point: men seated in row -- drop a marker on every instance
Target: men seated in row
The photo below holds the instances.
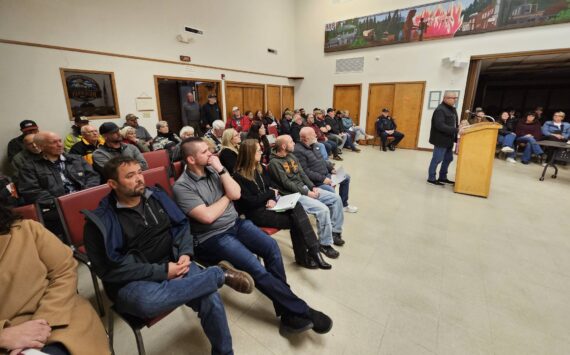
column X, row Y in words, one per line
column 75, row 135
column 357, row 132
column 330, row 146
column 386, row 127
column 257, row 197
column 29, row 152
column 185, row 132
column 114, row 147
column 40, row 308
column 90, row 141
column 140, row 245
column 215, row 133
column 141, row 132
column 237, row 121
column 205, row 192
column 335, row 126
column 288, row 175
column 16, row 145
column 318, row 169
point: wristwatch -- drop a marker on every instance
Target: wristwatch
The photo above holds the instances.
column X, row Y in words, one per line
column 224, row 170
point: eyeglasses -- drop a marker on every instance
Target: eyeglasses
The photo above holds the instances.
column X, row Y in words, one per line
column 451, row 98
column 258, row 152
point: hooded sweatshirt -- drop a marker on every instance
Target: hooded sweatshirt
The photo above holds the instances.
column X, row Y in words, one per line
column 288, row 174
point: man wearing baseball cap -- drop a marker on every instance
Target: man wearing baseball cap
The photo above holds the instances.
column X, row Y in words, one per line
column 114, row 147
column 210, row 112
column 16, row 145
column 141, row 132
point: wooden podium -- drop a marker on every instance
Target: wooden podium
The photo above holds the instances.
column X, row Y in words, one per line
column 475, row 159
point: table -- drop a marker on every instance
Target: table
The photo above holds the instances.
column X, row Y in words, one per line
column 562, row 153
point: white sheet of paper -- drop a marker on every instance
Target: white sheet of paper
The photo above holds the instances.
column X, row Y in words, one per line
column 33, row 352
column 286, row 202
column 339, row 177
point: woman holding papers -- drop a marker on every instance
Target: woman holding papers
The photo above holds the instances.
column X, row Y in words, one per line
column 257, row 198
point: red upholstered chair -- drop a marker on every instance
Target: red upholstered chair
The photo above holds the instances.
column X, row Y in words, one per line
column 272, row 130
column 158, row 177
column 157, row 158
column 69, row 208
column 269, row 230
column 178, row 169
column 31, row 211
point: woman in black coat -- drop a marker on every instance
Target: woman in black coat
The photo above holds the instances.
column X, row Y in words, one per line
column 257, row 131
column 257, row 197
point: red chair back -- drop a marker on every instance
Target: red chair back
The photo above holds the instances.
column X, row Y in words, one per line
column 158, row 176
column 157, row 158
column 177, row 165
column 272, row 130
column 69, row 208
column 30, row 211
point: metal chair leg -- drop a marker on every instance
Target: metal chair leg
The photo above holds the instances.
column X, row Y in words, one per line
column 98, row 297
column 110, row 330
column 140, row 344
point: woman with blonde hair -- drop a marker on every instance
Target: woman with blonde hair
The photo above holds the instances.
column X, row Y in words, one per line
column 229, row 153
column 257, row 197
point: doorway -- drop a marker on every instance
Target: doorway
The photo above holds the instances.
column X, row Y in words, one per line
column 404, row 100
column 246, row 96
column 347, row 97
column 171, row 94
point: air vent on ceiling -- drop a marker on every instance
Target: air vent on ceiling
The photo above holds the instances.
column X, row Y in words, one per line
column 350, row 65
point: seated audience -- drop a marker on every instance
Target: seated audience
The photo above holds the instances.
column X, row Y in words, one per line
column 257, row 132
column 185, row 132
column 478, row 117
column 303, row 113
column 114, row 147
column 75, row 135
column 16, row 145
column 335, row 122
column 319, row 170
column 556, row 131
column 287, row 174
column 90, row 141
column 348, row 124
column 296, row 126
column 285, row 124
column 258, row 116
column 40, row 307
column 229, row 152
column 141, row 132
column 215, row 134
column 30, row 151
column 129, row 135
column 528, row 132
column 257, row 196
column 206, row 192
column 506, row 137
column 164, row 138
column 238, row 122
column 210, row 112
column 539, row 114
column 386, row 127
column 326, row 130
column 329, row 147
column 140, row 245
column 269, row 120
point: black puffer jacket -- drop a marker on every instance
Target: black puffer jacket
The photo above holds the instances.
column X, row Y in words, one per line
column 444, row 126
column 39, row 179
column 508, row 126
column 315, row 167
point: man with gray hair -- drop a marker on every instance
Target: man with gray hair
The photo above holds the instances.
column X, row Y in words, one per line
column 90, row 141
column 191, row 113
column 214, row 134
column 30, row 151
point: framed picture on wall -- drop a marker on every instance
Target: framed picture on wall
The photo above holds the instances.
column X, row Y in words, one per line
column 434, row 99
column 90, row 93
column 456, row 93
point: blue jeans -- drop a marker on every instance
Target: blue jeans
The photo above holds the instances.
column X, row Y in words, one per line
column 238, row 246
column 327, row 209
column 443, row 155
column 331, row 147
column 531, row 147
column 197, row 289
column 507, row 141
column 343, row 189
column 323, row 150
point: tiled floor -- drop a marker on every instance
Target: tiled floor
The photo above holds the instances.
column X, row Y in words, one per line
column 424, row 271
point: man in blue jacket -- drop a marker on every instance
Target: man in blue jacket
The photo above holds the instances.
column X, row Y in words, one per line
column 140, row 245
column 555, row 130
column 386, row 127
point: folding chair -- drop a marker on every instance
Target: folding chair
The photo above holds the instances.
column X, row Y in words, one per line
column 69, row 209
column 158, row 177
column 31, row 211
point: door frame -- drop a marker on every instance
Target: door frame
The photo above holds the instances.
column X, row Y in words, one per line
column 157, row 77
column 370, row 85
column 359, row 101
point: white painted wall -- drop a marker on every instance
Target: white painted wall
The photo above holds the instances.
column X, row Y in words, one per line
column 237, row 34
column 402, row 62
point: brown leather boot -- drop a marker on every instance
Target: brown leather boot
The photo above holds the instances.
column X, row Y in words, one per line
column 239, row 280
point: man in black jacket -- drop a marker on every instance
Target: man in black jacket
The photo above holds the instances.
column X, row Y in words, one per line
column 140, row 245
column 16, row 145
column 318, row 169
column 386, row 127
column 210, row 112
column 337, row 128
column 443, row 134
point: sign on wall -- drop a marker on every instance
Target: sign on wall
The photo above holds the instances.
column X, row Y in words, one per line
column 443, row 19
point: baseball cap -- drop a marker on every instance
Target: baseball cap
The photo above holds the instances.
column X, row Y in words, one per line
column 108, row 127
column 131, row 116
column 385, row 110
column 81, row 119
column 28, row 125
column 212, row 96
column 235, row 108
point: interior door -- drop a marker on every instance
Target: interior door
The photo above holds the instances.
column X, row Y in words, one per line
column 379, row 96
column 288, row 99
column 407, row 111
column 234, row 97
column 347, row 97
column 274, row 99
column 253, row 99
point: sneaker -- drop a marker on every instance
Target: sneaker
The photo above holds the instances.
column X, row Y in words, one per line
column 329, row 251
column 507, row 149
column 435, row 182
column 356, row 150
column 337, row 239
column 292, row 323
column 321, row 322
column 446, row 181
column 336, row 157
column 239, row 280
column 392, row 147
column 511, row 160
column 350, row 209
column 369, row 136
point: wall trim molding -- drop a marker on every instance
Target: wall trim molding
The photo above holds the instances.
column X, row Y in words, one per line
column 148, row 59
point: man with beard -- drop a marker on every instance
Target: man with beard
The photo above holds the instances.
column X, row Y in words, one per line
column 113, row 147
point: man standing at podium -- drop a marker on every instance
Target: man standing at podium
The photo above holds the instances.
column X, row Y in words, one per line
column 443, row 134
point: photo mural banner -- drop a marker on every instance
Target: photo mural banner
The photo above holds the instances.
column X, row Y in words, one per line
column 444, row 19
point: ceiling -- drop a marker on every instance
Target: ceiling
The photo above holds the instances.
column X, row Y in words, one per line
column 547, row 65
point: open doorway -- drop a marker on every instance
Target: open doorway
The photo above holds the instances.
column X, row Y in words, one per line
column 521, row 82
column 171, row 95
